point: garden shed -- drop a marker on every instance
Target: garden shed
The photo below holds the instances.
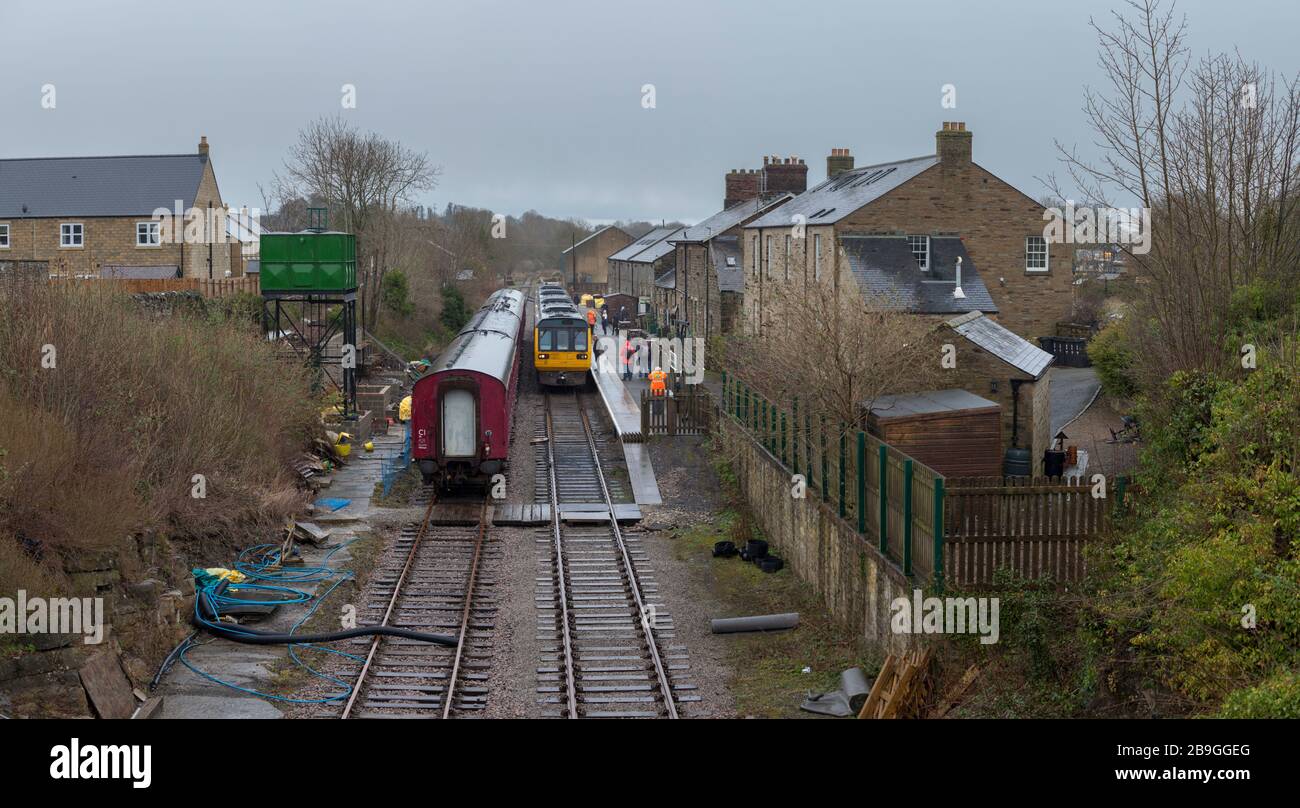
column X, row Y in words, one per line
column 954, row 432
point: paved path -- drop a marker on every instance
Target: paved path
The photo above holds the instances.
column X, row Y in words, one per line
column 625, row 412
column 1073, row 389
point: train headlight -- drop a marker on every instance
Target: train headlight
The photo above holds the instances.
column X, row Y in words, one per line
column 541, row 356
column 582, row 356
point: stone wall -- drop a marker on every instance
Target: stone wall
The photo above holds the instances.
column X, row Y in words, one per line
column 854, row 580
column 148, row 597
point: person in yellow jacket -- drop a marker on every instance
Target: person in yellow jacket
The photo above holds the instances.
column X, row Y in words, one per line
column 404, row 410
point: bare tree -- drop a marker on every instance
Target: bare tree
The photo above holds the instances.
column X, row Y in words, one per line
column 838, row 351
column 368, row 183
column 1211, row 150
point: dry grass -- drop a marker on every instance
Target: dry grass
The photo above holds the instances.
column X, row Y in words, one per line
column 108, row 440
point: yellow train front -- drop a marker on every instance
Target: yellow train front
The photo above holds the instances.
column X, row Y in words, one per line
column 562, row 343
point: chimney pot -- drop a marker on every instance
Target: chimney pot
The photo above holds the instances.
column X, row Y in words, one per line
column 953, row 144
column 203, row 144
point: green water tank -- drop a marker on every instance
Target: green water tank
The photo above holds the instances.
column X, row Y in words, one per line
column 309, row 261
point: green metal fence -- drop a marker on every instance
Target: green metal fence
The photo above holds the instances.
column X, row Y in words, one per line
column 893, row 500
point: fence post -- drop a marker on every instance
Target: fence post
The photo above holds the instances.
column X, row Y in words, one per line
column 907, row 516
column 884, row 499
column 826, row 488
column 938, row 534
column 645, row 416
column 783, row 455
column 862, row 482
column 794, row 435
column 844, row 440
column 725, row 408
column 808, row 443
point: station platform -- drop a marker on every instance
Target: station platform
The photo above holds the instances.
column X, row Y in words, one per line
column 625, row 413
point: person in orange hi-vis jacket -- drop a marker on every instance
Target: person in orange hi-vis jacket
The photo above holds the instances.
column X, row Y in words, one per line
column 658, row 382
column 591, row 318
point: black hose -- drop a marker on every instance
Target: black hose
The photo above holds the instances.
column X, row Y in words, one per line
column 212, row 622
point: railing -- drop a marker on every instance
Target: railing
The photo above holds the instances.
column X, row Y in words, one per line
column 1070, row 352
column 953, row 531
column 895, row 501
column 397, row 464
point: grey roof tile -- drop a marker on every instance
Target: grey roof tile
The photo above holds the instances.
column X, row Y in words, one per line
column 657, row 250
column 725, row 219
column 98, row 186
column 844, row 193
column 1003, row 343
column 653, row 237
column 571, row 247
column 928, row 403
column 726, row 262
column 885, row 269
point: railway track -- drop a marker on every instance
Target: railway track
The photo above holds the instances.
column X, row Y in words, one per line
column 438, row 579
column 603, row 633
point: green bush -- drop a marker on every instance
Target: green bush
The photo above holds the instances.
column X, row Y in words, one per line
column 455, row 313
column 1113, row 357
column 396, row 293
column 1277, row 697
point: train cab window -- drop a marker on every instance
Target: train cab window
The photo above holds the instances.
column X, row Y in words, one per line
column 546, row 340
column 580, row 339
column 562, row 339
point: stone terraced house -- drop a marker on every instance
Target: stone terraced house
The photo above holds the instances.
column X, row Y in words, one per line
column 94, row 216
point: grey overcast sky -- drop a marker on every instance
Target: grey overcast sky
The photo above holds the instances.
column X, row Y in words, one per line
column 537, row 105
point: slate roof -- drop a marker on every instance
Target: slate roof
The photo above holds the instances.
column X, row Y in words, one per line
column 725, row 219
column 885, row 268
column 657, row 250
column 98, row 186
column 653, row 237
column 731, row 276
column 1006, row 345
column 572, row 247
column 844, row 193
column 668, row 280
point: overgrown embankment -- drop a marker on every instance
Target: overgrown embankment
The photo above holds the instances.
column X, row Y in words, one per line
column 122, row 422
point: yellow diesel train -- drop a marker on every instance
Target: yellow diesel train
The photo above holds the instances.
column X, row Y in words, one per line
column 562, row 339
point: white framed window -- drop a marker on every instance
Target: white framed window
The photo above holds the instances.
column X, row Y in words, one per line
column 148, row 234
column 787, row 258
column 817, row 256
column 4, row 236
column 72, row 234
column 920, row 246
column 1035, row 254
column 754, row 262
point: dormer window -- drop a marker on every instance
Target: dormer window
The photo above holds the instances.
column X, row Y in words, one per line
column 920, row 246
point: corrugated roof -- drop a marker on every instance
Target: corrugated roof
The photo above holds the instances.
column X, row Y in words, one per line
column 1003, row 343
column 657, row 250
column 844, row 193
column 98, row 186
column 653, row 237
column 885, row 268
column 725, row 219
column 727, row 263
column 929, row 403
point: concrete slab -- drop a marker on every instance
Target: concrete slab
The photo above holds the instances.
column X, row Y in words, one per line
column 625, row 413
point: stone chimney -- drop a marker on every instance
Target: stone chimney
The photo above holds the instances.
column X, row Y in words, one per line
column 839, row 161
column 785, row 175
column 953, row 144
column 203, row 144
column 742, row 185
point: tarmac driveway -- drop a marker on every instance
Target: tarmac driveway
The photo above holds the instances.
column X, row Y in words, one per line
column 1073, row 389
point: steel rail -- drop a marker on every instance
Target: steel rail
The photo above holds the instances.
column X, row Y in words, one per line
column 392, row 604
column 570, row 686
column 449, row 697
column 665, row 687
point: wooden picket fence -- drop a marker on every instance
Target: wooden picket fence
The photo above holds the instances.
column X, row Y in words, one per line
column 1037, row 527
column 954, row 531
column 687, row 413
column 214, row 288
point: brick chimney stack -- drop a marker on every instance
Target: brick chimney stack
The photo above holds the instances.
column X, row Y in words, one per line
column 785, row 175
column 203, row 144
column 953, row 144
column 742, row 185
column 839, row 161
